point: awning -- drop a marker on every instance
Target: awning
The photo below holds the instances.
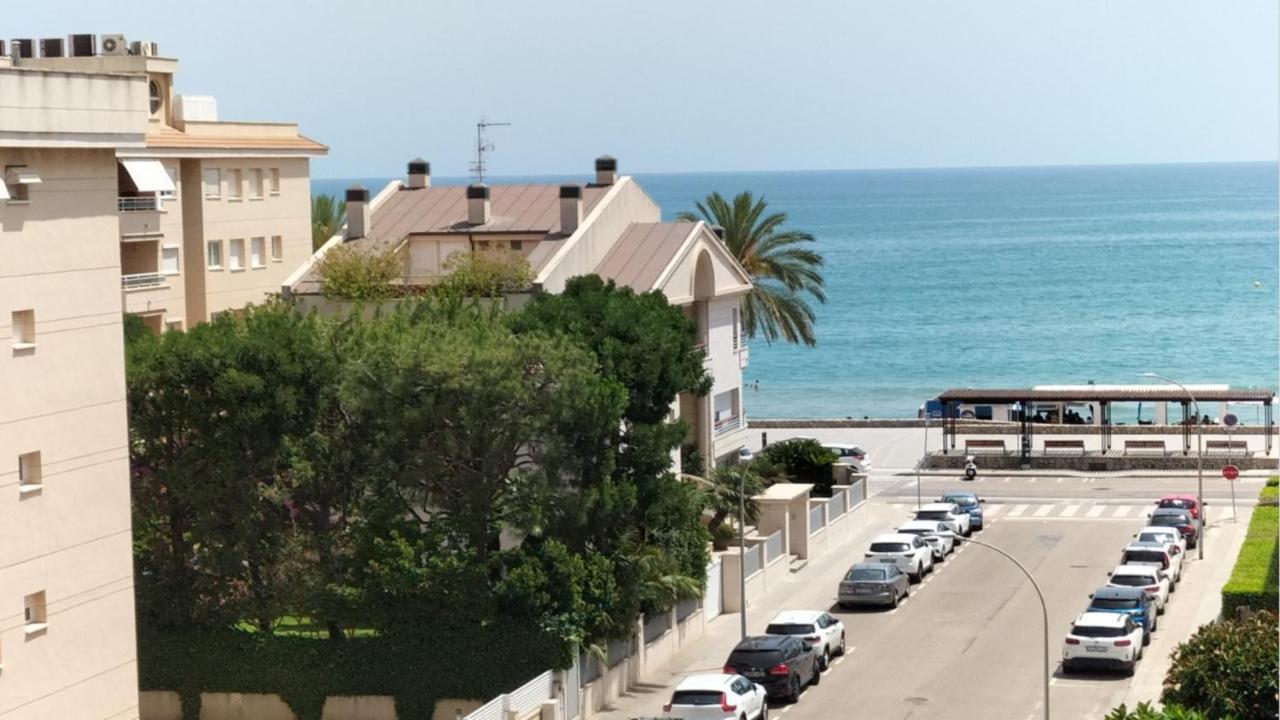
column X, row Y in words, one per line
column 148, row 175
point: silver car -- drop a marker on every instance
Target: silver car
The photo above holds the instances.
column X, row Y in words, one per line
column 873, row 584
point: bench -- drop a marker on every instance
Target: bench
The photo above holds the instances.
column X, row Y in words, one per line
column 1068, row 445
column 1144, row 446
column 1226, row 446
column 984, row 446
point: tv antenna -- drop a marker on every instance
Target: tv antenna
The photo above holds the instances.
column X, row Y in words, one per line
column 483, row 146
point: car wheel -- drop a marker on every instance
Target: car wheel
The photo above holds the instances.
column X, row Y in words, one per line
column 1140, row 653
column 1160, row 609
column 1066, row 668
column 1129, row 668
column 824, row 660
column 1155, row 623
column 794, row 696
column 1146, row 637
column 817, row 674
column 764, row 709
column 840, row 650
column 894, row 602
column 916, row 576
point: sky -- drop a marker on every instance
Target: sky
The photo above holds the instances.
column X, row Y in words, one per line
column 723, row 85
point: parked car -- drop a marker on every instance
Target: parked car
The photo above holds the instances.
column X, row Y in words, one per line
column 1167, row 535
column 1129, row 600
column 717, row 697
column 873, row 584
column 1181, row 501
column 1180, row 519
column 1102, row 640
column 852, row 454
column 1155, row 554
column 968, row 502
column 910, row 553
column 819, row 630
column 1153, row 580
column 947, row 512
column 783, row 664
column 938, row 534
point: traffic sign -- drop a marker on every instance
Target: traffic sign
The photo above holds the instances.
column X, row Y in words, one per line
column 1230, row 420
column 1231, row 472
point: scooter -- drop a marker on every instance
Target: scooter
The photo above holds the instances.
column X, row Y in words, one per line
column 970, row 468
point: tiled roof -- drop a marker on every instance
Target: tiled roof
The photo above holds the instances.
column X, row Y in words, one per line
column 644, row 250
column 531, row 209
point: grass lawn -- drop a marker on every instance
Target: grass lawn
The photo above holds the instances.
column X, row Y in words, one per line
column 302, row 626
column 1255, row 580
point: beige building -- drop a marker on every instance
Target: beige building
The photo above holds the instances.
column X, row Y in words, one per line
column 213, row 215
column 67, row 642
column 609, row 227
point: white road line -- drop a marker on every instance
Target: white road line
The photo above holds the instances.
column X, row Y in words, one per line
column 1059, row 479
column 1017, row 510
column 786, row 710
column 1069, row 510
column 1007, row 479
column 1031, row 480
column 993, row 511
column 1095, row 511
column 1122, row 511
column 1043, row 510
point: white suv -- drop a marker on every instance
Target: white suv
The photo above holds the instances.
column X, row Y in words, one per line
column 1169, row 536
column 1151, row 579
column 949, row 513
column 910, row 553
column 717, row 697
column 1156, row 554
column 938, row 534
column 1103, row 639
column 818, row 629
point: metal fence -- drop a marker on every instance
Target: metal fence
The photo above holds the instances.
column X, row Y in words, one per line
column 817, row 519
column 751, row 561
column 619, row 650
column 491, row 710
column 857, row 492
column 655, row 626
column 836, row 506
column 774, row 546
column 590, row 666
column 521, row 701
column 687, row 607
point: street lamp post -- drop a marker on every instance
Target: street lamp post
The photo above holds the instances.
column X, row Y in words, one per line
column 742, row 551
column 924, row 457
column 1044, row 611
column 1199, row 460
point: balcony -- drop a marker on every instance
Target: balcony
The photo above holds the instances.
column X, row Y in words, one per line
column 139, row 203
column 141, row 281
column 140, row 217
column 724, row 426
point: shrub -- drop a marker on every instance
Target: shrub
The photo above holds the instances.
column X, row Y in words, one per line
column 805, row 461
column 486, row 273
column 1254, row 580
column 353, row 273
column 722, row 535
column 1227, row 669
column 1144, row 711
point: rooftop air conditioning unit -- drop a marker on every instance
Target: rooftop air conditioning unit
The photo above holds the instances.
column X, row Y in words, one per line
column 144, row 48
column 51, row 47
column 114, row 45
column 196, row 108
column 83, row 45
column 23, row 48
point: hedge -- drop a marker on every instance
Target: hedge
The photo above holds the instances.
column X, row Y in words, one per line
column 465, row 662
column 1255, row 580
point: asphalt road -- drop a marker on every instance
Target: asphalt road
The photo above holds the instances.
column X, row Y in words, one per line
column 968, row 643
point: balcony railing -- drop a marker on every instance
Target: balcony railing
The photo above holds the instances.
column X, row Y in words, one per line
column 138, row 281
column 728, row 425
column 139, row 203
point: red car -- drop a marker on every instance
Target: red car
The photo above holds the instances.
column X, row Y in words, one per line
column 1181, row 501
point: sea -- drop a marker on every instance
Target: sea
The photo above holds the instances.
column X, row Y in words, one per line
column 1009, row 277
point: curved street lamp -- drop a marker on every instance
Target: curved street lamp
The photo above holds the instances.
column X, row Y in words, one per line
column 1199, row 460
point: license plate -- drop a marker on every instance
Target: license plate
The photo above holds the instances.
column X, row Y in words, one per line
column 891, row 561
column 863, row 590
column 753, row 673
column 1096, row 648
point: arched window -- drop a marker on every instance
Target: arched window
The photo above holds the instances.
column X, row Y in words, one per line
column 155, row 97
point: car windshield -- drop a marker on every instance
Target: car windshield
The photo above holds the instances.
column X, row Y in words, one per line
column 912, row 531
column 1161, row 538
column 788, row 629
column 866, row 575
column 1138, row 557
column 933, row 515
column 1169, row 520
column 696, row 697
column 1114, row 604
column 755, row 658
column 1175, row 503
column 889, row 547
column 963, row 501
column 1132, row 580
column 1092, row 631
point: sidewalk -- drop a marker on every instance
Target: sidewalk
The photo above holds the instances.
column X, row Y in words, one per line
column 814, row 587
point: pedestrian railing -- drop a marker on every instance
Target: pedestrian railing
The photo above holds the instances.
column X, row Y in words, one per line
column 687, row 607
column 751, row 561
column 655, row 626
column 774, row 546
column 817, row 518
column 837, row 505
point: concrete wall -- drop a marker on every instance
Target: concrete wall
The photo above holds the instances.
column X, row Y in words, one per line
column 40, row 108
column 64, row 398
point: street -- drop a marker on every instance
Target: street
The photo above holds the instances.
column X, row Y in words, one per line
column 968, row 642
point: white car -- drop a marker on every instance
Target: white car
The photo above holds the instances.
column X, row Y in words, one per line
column 818, row 629
column 717, row 697
column 938, row 534
column 1151, row 579
column 1155, row 554
column 1160, row 533
column 910, row 553
column 852, row 454
column 949, row 513
column 1102, row 639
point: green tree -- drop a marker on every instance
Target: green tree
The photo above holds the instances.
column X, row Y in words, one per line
column 485, row 273
column 350, row 272
column 805, row 460
column 727, row 483
column 785, row 271
column 1227, row 669
column 328, row 215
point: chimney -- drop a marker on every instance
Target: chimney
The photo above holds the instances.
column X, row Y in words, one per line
column 606, row 170
column 357, row 212
column 570, row 208
column 419, row 174
column 718, row 230
column 477, row 204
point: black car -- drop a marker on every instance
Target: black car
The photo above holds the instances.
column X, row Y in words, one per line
column 1180, row 519
column 1131, row 601
column 782, row 664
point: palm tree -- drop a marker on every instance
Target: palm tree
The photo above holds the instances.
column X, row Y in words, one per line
column 783, row 269
column 328, row 214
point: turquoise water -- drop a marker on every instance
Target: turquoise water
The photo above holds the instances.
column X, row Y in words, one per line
column 1010, row 277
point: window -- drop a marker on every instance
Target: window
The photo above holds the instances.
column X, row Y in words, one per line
column 24, row 329
column 170, row 263
column 277, row 248
column 215, row 254
column 173, row 324
column 173, row 178
column 235, row 256
column 154, row 91
column 735, row 329
column 255, row 184
column 275, row 181
column 34, row 613
column 257, row 252
column 29, row 476
column 235, row 189
column 212, row 184
column 517, row 245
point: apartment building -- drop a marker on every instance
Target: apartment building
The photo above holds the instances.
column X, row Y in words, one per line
column 609, row 227
column 67, row 641
column 212, row 215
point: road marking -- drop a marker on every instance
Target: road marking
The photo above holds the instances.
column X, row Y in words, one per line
column 1069, row 510
column 786, row 710
column 1122, row 511
column 1031, row 480
column 1095, row 511
column 993, row 511
column 1059, row 479
column 1043, row 510
column 1017, row 510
